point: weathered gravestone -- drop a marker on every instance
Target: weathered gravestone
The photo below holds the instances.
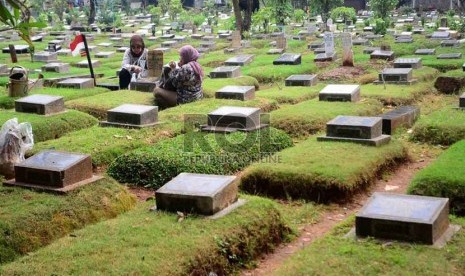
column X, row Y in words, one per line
column 316, row 45
column 380, row 54
column 425, row 52
column 208, row 44
column 301, row 80
column 239, row 60
column 396, row 76
column 54, row 171
column 40, row 104
column 340, row 93
column 169, row 43
column 132, row 116
column 198, row 193
column 414, row 63
column 45, row 56
column 359, row 41
column 403, row 116
column 197, row 36
column 154, row 63
column 440, row 35
column 121, row 49
column 319, row 51
column 77, row 83
column 369, row 50
column 19, row 49
column 104, row 54
column 450, row 56
column 288, row 59
column 462, row 101
column 236, row 92
column 403, row 217
column 450, row 43
column 361, row 130
column 226, row 72
column 85, row 64
column 3, row 69
column 347, row 53
column 144, row 85
column 233, row 118
column 329, row 43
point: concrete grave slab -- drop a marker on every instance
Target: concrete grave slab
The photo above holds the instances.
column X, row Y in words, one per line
column 121, row 49
column 233, row 118
column 369, row 50
column 167, row 36
column 239, row 60
column 450, row 43
column 132, row 116
column 85, row 64
column 379, row 54
column 198, row 193
column 40, row 104
column 315, row 45
column 301, row 80
column 19, row 49
column 144, row 85
column 360, row 41
column 77, row 83
column 425, row 52
column 288, row 59
column 396, row 76
column 105, row 44
column 169, row 43
column 340, row 93
column 324, row 57
column 403, row 116
column 236, row 92
column 208, row 44
column 414, row 63
column 440, row 35
column 104, row 54
column 450, row 56
column 58, row 67
column 275, row 51
column 45, row 56
column 226, row 72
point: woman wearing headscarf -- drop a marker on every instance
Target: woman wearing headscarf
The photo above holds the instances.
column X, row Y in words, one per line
column 134, row 62
column 186, row 78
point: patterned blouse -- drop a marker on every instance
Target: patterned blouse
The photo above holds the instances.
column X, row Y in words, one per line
column 188, row 84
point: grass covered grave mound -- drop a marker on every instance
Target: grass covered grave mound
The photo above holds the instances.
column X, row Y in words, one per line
column 197, row 152
column 107, row 143
column 444, row 126
column 30, row 220
column 145, row 243
column 51, row 127
column 444, row 178
column 290, row 94
column 311, row 116
column 68, row 94
column 98, row 105
column 397, row 94
column 336, row 254
column 321, row 171
column 210, row 86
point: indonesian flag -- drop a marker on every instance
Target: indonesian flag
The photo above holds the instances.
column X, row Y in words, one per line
column 77, row 45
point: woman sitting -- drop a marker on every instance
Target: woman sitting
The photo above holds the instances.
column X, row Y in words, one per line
column 184, row 81
column 134, row 62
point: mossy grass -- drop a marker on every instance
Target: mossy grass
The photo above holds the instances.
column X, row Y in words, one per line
column 444, row 178
column 337, row 255
column 290, row 94
column 321, row 171
column 196, row 152
column 454, row 74
column 397, row 94
column 98, row 105
column 210, row 86
column 7, row 102
column 52, row 126
column 444, row 126
column 158, row 243
column 311, row 116
column 30, row 220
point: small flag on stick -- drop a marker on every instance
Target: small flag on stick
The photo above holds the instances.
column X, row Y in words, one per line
column 77, row 45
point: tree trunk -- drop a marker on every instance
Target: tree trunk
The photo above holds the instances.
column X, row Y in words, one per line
column 92, row 12
column 248, row 16
column 238, row 15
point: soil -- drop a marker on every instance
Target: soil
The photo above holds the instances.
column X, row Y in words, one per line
column 142, row 194
column 342, row 73
column 397, row 183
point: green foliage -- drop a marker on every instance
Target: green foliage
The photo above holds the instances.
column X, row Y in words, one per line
column 381, row 26
column 262, row 18
column 282, row 9
column 345, row 13
column 408, row 27
column 382, row 8
column 198, row 19
column 175, row 8
column 324, row 7
column 321, row 171
column 299, row 15
column 197, row 152
column 30, row 220
column 164, row 5
column 156, row 14
column 444, row 178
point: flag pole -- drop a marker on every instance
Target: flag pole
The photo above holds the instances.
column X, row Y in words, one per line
column 88, row 59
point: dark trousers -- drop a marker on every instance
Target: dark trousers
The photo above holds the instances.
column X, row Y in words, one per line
column 124, row 78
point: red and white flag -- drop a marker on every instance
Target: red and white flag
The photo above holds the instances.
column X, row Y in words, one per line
column 77, row 45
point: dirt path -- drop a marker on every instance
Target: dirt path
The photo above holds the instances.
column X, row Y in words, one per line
column 397, row 183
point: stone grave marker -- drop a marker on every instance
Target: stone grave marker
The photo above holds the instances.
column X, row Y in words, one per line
column 380, row 54
column 347, row 53
column 281, row 42
column 45, row 56
column 40, row 104
column 37, row 38
column 144, row 85
column 163, row 49
column 319, row 51
column 54, row 171
column 324, row 57
column 132, row 116
column 404, row 39
column 233, row 118
column 373, row 36
column 179, row 38
column 197, row 36
column 425, row 52
column 414, row 63
column 4, row 69
column 361, row 130
column 104, row 54
column 450, row 43
column 340, row 93
column 418, row 30
column 440, row 35
column 275, row 51
column 85, row 64
column 236, row 40
column 208, row 38
column 403, row 116
column 58, row 67
column 288, row 59
column 19, row 49
column 239, row 60
column 315, row 45
column 369, row 50
column 226, row 72
column 396, row 76
column 155, row 63
column 236, row 92
column 462, row 101
column 329, row 43
column 77, row 83
column 359, row 41
column 450, row 56
column 403, row 217
column 199, row 193
column 167, row 36
column 301, row 80
column 208, row 44
column 169, row 43
column 121, row 49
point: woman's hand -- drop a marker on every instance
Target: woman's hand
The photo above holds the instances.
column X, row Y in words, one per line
column 172, row 64
column 136, row 69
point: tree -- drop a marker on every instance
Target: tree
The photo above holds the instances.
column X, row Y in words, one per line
column 262, row 18
column 91, row 19
column 59, row 7
column 325, row 6
column 175, row 8
column 381, row 8
column 282, row 9
column 237, row 15
column 164, row 6
column 343, row 12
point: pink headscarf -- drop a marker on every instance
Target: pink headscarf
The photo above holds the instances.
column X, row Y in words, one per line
column 189, row 55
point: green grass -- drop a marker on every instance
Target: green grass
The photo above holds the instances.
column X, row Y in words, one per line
column 7, row 102
column 444, row 126
column 397, row 94
column 30, row 220
column 444, row 178
column 290, row 94
column 210, row 86
column 142, row 243
column 53, row 126
column 321, row 171
column 311, row 116
column 336, row 255
column 196, row 152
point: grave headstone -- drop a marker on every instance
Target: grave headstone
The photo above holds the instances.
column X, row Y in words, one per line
column 450, row 43
column 414, row 63
column 347, row 53
column 236, row 92
column 40, row 104
column 359, row 41
column 362, row 130
column 403, row 217
column 323, row 57
column 77, row 83
column 403, row 116
column 199, row 193
column 425, row 52
column 281, row 42
column 155, row 63
column 45, row 56
column 54, row 171
column 462, row 101
column 380, row 54
column 132, row 116
column 19, row 49
column 396, row 76
column 144, row 85
column 301, row 80
column 226, row 72
column 236, row 40
column 288, row 59
column 329, row 43
column 58, row 67
column 233, row 118
column 369, row 50
column 440, row 35
column 340, row 93
column 239, row 60
column 85, row 64
column 450, row 56
column 104, row 54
